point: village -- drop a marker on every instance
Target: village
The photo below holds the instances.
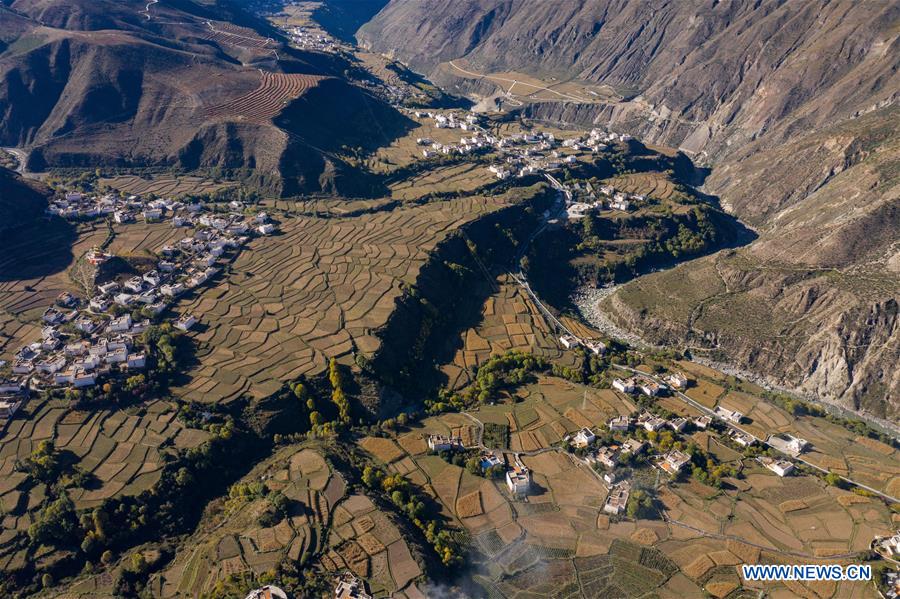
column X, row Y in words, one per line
column 520, row 154
column 612, row 446
column 86, row 339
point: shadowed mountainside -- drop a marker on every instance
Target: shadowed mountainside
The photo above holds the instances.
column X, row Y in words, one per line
column 87, row 83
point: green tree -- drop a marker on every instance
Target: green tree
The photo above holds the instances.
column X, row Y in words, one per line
column 56, row 523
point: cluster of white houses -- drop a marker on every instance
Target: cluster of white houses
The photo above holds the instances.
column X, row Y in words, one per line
column 521, row 154
column 605, row 197
column 643, row 385
column 77, row 205
column 82, row 341
column 307, row 38
column 595, row 346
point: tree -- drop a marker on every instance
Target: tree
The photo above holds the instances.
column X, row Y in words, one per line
column 496, row 471
column 44, row 463
column 835, row 481
column 55, row 524
column 473, row 466
column 138, row 563
column 640, row 505
column 300, row 392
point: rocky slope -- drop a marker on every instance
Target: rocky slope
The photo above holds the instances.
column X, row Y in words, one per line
column 813, row 303
column 792, row 104
column 87, row 83
column 705, row 76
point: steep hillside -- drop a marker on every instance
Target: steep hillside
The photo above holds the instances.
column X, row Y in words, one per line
column 792, row 104
column 812, row 304
column 705, row 76
column 94, row 83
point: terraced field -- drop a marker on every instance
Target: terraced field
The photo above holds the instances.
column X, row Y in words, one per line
column 275, row 90
column 654, row 185
column 124, row 451
column 365, row 541
column 464, row 178
column 322, row 288
column 509, row 321
column 235, row 542
column 165, row 186
column 33, row 272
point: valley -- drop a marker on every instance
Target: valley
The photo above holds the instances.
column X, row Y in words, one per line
column 499, row 329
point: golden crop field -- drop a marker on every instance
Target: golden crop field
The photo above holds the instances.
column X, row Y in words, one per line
column 509, row 321
column 124, row 451
column 322, row 288
column 164, row 185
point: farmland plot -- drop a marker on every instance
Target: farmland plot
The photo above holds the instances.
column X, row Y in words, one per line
column 275, row 90
column 124, row 451
column 165, row 186
column 509, row 321
column 321, row 289
column 238, row 541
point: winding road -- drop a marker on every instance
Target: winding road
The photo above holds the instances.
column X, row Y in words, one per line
column 522, row 281
column 515, row 82
column 21, row 158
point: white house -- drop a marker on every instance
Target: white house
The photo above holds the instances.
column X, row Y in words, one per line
column 117, row 356
column 597, row 347
column 788, row 443
column 186, row 322
column 617, row 499
column 136, row 361
column 779, row 467
column 568, row 341
column 633, row 446
column 677, row 424
column 151, row 278
column 674, row 461
column 266, row 229
column 86, row 325
column 8, row 407
column 607, row 456
column 730, row 415
column 84, row 379
column 583, row 438
column 742, row 439
column 172, row 290
column 152, row 214
column 677, row 380
column 124, row 299
column 650, row 388
column 625, row 386
column 518, row 480
column 98, row 304
column 650, row 422
column 120, row 324
column 444, row 443
column 620, row 423
column 134, row 284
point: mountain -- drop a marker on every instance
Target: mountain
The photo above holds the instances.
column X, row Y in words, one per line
column 793, row 106
column 88, row 83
